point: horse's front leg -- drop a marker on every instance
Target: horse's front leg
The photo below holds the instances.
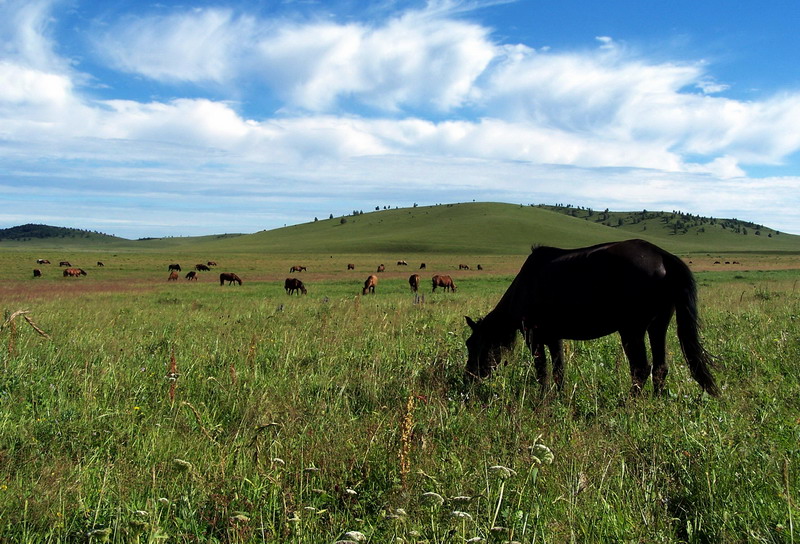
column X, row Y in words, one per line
column 557, row 355
column 539, row 357
column 540, row 361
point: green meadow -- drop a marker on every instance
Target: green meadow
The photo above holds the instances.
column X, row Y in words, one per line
column 133, row 409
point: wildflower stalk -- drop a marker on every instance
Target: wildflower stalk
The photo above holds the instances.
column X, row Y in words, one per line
column 406, row 426
column 172, row 376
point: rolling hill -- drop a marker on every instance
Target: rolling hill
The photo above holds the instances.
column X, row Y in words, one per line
column 469, row 228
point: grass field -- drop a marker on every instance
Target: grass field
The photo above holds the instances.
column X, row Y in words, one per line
column 188, row 412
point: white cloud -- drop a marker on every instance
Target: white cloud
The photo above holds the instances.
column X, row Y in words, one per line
column 198, row 46
column 509, row 121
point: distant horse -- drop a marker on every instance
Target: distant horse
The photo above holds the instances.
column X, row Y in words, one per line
column 351, row 266
column 201, row 267
column 230, row 277
column 381, row 268
column 64, row 263
column 37, row 273
column 100, row 263
column 445, row 282
column 463, row 267
column 191, row 275
column 402, row 263
column 479, row 267
column 369, row 285
column 422, row 266
column 173, row 276
column 297, row 268
column 413, row 281
column 630, row 287
column 293, row 285
column 174, row 267
column 212, row 263
column 42, row 261
column 74, row 272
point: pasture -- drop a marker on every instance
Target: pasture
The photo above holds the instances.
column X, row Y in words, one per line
column 193, row 412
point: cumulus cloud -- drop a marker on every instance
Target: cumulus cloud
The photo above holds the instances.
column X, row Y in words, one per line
column 423, row 91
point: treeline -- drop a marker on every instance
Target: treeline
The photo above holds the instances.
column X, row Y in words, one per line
column 675, row 222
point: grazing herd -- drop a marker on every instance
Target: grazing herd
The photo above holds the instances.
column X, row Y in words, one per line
column 291, row 285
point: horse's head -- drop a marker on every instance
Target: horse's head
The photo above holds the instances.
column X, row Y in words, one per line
column 483, row 350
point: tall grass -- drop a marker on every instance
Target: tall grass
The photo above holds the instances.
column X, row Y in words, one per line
column 195, row 413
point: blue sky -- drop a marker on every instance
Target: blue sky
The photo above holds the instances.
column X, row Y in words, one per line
column 173, row 119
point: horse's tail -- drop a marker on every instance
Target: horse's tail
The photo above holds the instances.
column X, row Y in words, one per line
column 688, row 321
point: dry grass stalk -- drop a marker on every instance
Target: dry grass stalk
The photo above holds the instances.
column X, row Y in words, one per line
column 200, row 422
column 406, row 428
column 11, row 323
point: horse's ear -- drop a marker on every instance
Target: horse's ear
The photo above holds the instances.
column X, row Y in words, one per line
column 470, row 322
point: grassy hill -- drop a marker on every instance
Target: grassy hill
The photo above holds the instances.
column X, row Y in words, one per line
column 467, row 228
column 495, row 228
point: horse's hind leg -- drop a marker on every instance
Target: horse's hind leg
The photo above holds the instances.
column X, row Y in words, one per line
column 658, row 346
column 633, row 344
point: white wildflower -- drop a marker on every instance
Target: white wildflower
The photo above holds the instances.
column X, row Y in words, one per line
column 503, row 472
column 432, row 498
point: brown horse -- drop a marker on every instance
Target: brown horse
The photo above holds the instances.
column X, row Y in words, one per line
column 100, row 263
column 64, row 263
column 230, row 277
column 297, row 268
column 422, row 266
column 191, row 275
column 369, row 285
column 445, row 282
column 293, row 285
column 381, row 268
column 413, row 281
column 42, row 261
column 351, row 266
column 212, row 263
column 200, row 267
column 631, row 287
column 74, row 272
column 37, row 273
column 173, row 276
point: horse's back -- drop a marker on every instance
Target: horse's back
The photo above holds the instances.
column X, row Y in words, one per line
column 625, row 283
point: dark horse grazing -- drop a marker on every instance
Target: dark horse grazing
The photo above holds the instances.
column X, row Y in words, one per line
column 413, row 281
column 230, row 277
column 630, row 287
column 294, row 285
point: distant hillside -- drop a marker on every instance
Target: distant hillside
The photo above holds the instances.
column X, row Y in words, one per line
column 480, row 228
column 467, row 228
column 33, row 232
